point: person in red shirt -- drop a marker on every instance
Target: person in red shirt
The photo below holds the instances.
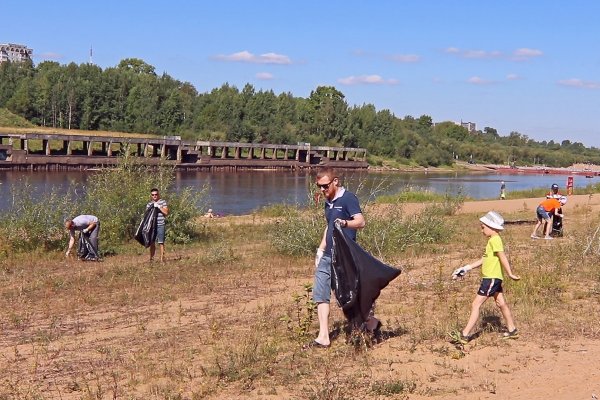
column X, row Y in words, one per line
column 545, row 210
column 554, row 193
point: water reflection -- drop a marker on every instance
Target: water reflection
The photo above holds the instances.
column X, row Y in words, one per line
column 242, row 192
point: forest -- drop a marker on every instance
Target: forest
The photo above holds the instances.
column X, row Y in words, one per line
column 132, row 97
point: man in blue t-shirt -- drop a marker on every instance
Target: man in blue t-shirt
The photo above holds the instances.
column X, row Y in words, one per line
column 342, row 206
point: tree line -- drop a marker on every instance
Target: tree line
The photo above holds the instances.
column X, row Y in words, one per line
column 132, row 97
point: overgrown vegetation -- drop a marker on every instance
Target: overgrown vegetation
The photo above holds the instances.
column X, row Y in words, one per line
column 388, row 231
column 117, row 196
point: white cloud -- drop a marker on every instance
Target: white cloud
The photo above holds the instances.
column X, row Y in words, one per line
column 481, row 54
column 405, row 58
column 512, row 77
column 478, row 54
column 476, row 80
column 264, row 76
column 367, row 80
column 246, row 56
column 517, row 55
column 580, row 83
column 525, row 53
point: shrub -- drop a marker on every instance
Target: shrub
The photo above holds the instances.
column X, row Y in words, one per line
column 117, row 196
column 32, row 223
column 394, row 232
column 298, row 231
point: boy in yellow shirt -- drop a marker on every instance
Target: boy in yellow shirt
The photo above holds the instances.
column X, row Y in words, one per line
column 491, row 265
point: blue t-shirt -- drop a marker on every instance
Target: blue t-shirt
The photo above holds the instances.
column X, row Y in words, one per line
column 345, row 206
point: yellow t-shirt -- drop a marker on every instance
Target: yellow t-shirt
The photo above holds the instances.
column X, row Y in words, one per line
column 491, row 267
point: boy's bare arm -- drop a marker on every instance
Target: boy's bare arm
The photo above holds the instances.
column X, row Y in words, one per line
column 506, row 265
column 475, row 264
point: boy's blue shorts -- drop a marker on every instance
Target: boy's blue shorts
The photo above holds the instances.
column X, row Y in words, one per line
column 489, row 287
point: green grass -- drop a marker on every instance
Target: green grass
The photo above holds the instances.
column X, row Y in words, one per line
column 9, row 119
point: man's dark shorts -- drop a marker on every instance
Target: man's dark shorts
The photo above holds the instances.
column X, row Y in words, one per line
column 489, row 287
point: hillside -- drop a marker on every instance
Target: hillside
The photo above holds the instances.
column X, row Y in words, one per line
column 9, row 119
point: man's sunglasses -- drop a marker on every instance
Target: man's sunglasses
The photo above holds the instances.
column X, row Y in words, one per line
column 325, row 186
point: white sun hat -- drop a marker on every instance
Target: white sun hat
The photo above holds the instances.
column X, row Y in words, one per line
column 493, row 220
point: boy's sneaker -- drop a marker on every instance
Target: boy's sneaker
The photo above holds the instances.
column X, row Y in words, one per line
column 459, row 338
column 548, row 237
column 511, row 334
column 535, row 237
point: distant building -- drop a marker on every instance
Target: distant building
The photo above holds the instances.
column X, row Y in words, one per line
column 469, row 126
column 14, row 52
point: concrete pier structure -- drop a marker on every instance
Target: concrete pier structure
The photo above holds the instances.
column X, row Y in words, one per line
column 61, row 152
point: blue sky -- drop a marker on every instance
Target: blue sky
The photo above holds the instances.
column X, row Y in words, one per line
column 527, row 66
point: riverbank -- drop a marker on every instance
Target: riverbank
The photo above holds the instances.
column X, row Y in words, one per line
column 225, row 318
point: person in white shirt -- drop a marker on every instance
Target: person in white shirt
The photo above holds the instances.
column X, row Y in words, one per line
column 87, row 224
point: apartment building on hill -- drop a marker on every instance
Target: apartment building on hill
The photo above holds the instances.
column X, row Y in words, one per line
column 14, row 52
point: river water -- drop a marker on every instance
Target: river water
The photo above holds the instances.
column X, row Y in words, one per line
column 243, row 192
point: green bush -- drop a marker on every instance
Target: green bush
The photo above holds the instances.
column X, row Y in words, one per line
column 32, row 223
column 117, row 196
column 394, row 232
column 299, row 230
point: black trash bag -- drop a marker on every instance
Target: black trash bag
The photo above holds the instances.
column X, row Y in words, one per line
column 146, row 232
column 357, row 277
column 557, row 225
column 85, row 249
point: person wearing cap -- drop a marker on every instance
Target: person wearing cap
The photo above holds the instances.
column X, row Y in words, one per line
column 554, row 193
column 544, row 212
column 502, row 190
column 492, row 262
column 209, row 214
column 88, row 225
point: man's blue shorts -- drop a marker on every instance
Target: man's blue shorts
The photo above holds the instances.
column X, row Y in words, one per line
column 160, row 234
column 490, row 286
column 322, row 283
